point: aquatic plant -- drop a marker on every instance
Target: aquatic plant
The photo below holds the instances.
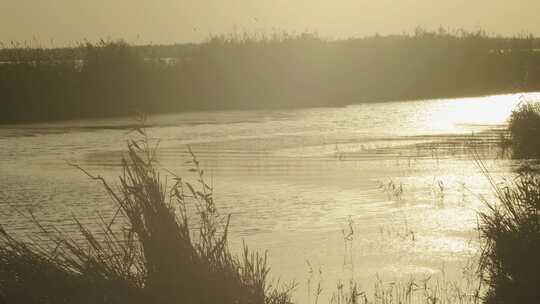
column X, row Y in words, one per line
column 392, row 189
column 430, row 289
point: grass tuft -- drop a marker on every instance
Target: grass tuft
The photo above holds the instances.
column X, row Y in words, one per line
column 511, row 233
column 149, row 252
column 524, row 127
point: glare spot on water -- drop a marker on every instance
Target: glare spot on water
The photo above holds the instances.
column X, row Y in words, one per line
column 451, row 117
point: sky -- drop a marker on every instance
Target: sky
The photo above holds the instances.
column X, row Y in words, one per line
column 66, row 22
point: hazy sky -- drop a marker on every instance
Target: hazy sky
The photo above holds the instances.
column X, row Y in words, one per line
column 166, row 21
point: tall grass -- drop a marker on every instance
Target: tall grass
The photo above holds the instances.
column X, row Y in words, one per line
column 524, row 128
column 259, row 71
column 511, row 226
column 149, row 252
column 510, row 229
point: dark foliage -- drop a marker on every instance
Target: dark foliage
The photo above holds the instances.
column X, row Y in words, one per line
column 524, row 127
column 511, row 231
column 254, row 72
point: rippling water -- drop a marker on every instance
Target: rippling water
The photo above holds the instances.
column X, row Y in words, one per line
column 292, row 179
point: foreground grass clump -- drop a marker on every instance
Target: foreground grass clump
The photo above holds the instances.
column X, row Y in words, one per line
column 524, row 127
column 147, row 253
column 511, row 231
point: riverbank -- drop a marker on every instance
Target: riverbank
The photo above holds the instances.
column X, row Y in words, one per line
column 282, row 71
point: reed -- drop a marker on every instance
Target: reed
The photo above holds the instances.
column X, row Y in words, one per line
column 524, row 127
column 149, row 252
column 259, row 71
column 510, row 229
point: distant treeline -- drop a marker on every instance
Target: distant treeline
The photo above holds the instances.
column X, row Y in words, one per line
column 112, row 78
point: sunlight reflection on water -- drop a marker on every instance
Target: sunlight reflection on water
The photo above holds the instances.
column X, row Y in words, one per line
column 449, row 117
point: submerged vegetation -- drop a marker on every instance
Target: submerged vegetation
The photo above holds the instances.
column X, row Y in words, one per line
column 112, row 78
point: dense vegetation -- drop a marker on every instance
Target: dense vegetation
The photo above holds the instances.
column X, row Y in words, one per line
column 510, row 227
column 524, row 129
column 257, row 71
column 511, row 231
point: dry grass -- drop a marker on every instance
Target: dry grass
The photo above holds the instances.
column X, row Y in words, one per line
column 510, row 230
column 148, row 253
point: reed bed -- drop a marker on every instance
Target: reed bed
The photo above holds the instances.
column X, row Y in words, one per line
column 259, row 71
